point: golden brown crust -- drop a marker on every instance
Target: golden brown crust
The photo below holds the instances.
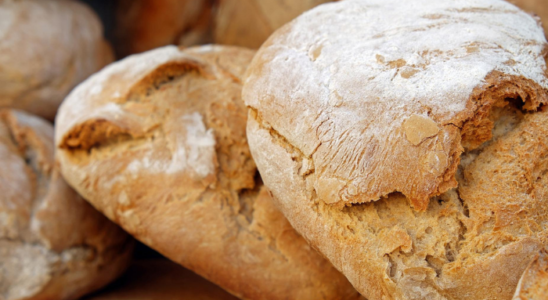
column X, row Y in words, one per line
column 249, row 23
column 53, row 244
column 71, row 47
column 533, row 284
column 345, row 110
column 163, row 152
column 147, row 24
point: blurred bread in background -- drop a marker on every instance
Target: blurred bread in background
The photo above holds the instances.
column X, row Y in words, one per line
column 47, row 48
column 53, row 244
column 249, row 23
column 143, row 25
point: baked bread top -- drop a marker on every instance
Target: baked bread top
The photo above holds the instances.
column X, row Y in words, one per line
column 336, row 122
column 379, row 96
column 53, row 244
column 157, row 142
column 46, row 48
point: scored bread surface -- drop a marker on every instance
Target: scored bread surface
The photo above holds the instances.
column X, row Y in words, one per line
column 157, row 142
column 47, row 48
column 407, row 142
column 53, row 244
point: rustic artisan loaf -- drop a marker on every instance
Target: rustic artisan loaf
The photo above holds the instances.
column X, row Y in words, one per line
column 538, row 7
column 157, row 142
column 46, row 48
column 533, row 285
column 407, row 141
column 53, row 244
column 161, row 279
column 143, row 25
column 249, row 23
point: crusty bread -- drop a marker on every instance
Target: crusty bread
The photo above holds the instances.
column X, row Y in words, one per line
column 161, row 279
column 405, row 141
column 533, row 284
column 538, row 7
column 46, row 48
column 249, row 23
column 53, row 244
column 157, row 142
column 143, row 25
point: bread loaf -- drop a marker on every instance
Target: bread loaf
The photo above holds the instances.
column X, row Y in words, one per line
column 46, row 48
column 53, row 244
column 249, row 23
column 407, row 141
column 157, row 142
column 143, row 25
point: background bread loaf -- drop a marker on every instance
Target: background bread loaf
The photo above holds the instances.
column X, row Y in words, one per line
column 46, row 48
column 53, row 244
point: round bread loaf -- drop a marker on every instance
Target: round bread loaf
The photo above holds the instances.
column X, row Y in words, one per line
column 407, row 141
column 53, row 244
column 157, row 142
column 533, row 284
column 249, row 23
column 47, row 48
column 143, row 25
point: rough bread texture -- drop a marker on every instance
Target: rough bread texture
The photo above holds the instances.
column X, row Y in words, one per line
column 143, row 25
column 249, row 23
column 533, row 285
column 161, row 279
column 53, row 244
column 537, row 7
column 47, row 48
column 408, row 143
column 157, row 142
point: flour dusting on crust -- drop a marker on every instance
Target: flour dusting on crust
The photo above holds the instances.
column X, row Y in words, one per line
column 340, row 81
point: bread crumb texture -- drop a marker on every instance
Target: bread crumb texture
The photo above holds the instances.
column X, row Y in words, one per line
column 407, row 141
column 53, row 244
column 158, row 143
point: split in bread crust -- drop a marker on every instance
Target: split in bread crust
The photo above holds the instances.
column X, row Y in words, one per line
column 407, row 142
column 53, row 244
column 157, row 142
